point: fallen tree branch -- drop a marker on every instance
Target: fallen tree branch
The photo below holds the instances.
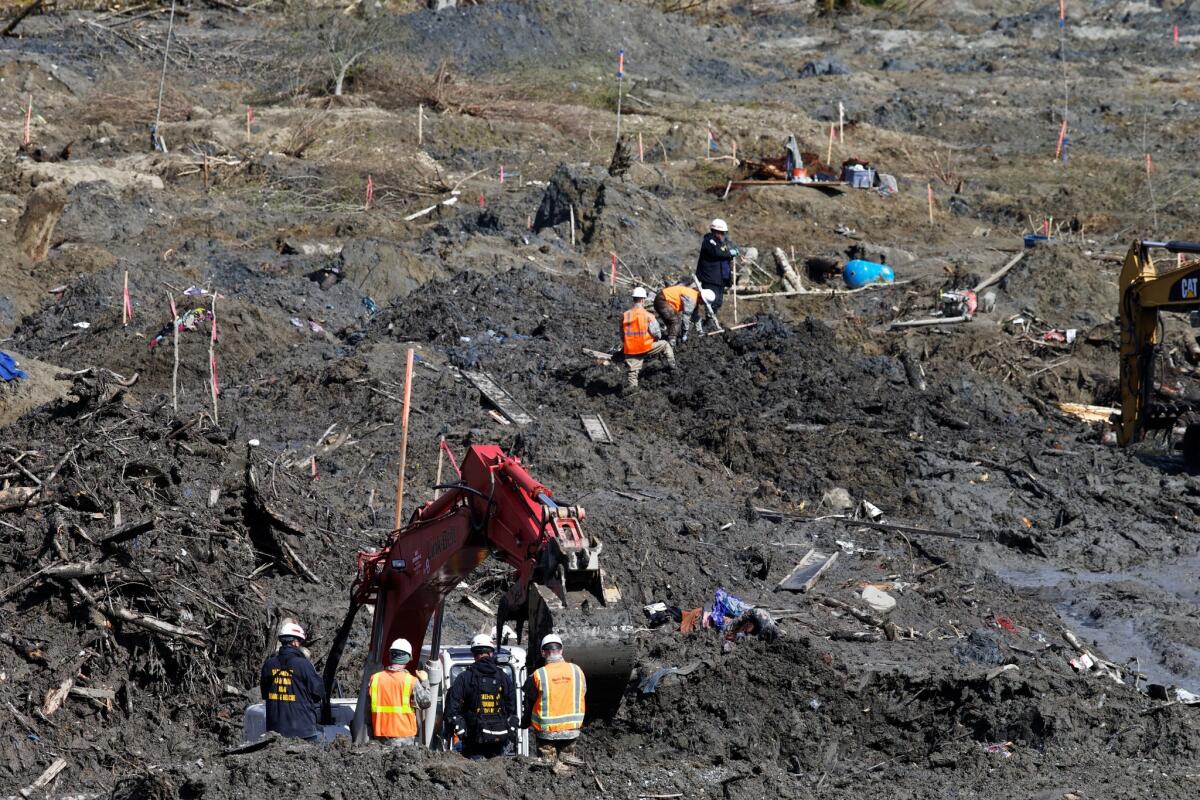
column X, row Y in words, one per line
column 153, row 624
column 299, row 566
column 888, row 627
column 127, row 531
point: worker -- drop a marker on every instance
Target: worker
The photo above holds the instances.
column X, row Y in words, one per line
column 714, row 268
column 291, row 688
column 555, row 703
column 642, row 338
column 481, row 709
column 793, row 162
column 679, row 306
column 395, row 695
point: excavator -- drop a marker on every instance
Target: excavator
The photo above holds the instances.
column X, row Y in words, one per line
column 1144, row 292
column 496, row 507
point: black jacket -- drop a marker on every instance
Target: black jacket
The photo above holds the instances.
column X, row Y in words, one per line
column 292, row 691
column 715, row 265
column 484, row 702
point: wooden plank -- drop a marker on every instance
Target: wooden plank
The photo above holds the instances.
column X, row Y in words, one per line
column 497, row 396
column 45, row 778
column 596, row 354
column 805, row 574
column 1088, row 413
column 596, row 429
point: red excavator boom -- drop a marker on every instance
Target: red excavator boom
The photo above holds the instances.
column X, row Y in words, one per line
column 496, row 507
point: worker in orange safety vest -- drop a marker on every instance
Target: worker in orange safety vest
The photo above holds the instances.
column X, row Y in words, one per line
column 679, row 306
column 555, row 696
column 395, row 695
column 641, row 337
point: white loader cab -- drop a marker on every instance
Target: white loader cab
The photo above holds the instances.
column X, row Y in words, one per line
column 452, row 660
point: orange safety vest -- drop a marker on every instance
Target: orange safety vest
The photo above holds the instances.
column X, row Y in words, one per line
column 392, row 715
column 559, row 702
column 635, row 326
column 674, row 296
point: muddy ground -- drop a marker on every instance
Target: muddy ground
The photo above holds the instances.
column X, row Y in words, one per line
column 125, row 500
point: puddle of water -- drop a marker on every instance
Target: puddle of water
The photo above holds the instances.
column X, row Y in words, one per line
column 1123, row 637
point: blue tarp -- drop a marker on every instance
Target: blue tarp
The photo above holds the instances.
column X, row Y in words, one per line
column 8, row 369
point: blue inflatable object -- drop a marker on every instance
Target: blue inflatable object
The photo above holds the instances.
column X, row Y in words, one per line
column 859, row 273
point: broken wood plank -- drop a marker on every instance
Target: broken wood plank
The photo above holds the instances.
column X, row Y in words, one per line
column 926, row 322
column 1089, row 413
column 89, row 693
column 498, row 396
column 596, row 429
column 496, row 415
column 808, row 571
column 887, row 526
column 477, row 604
column 889, row 628
column 596, row 354
column 45, row 778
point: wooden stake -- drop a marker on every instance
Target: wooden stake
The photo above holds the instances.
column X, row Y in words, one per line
column 641, row 149
column 735, row 151
column 829, row 154
column 735, row 312
column 125, row 302
column 841, row 123
column 25, row 135
column 212, row 358
column 420, row 124
column 175, row 371
column 249, row 117
column 572, row 225
column 408, row 371
column 929, row 191
column 613, row 275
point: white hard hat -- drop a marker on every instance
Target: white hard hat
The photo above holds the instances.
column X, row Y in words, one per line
column 402, row 645
column 719, row 224
column 709, row 295
column 290, row 630
column 551, row 638
column 640, row 292
column 481, row 641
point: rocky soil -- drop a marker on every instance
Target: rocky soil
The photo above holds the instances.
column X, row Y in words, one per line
column 151, row 540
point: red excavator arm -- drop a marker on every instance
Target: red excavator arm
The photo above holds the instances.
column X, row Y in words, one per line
column 496, row 507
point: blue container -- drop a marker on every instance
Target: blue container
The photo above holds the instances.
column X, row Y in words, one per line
column 1034, row 239
column 859, row 273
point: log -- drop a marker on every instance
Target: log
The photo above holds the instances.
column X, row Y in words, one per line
column 20, row 17
column 791, row 280
column 45, row 778
column 996, row 276
column 127, row 531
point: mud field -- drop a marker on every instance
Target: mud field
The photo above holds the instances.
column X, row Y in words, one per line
column 1046, row 609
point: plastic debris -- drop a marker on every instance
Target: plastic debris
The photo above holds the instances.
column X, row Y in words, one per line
column 9, row 370
column 878, row 600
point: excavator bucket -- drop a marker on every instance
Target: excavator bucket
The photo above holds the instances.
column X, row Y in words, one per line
column 599, row 638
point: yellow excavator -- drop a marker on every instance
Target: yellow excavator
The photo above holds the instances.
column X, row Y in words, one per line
column 1144, row 292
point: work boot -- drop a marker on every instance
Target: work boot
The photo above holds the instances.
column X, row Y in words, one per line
column 548, row 752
